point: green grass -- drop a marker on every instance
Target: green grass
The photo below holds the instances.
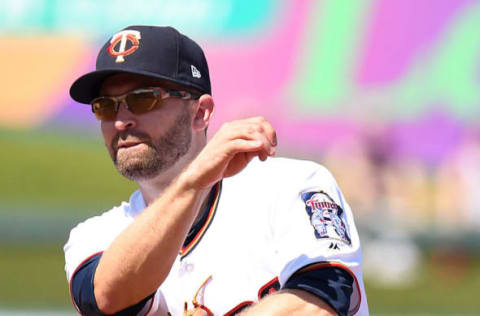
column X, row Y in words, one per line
column 33, row 277
column 58, row 172
column 444, row 286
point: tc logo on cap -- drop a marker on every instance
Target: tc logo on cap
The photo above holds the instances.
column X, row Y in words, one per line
column 122, row 37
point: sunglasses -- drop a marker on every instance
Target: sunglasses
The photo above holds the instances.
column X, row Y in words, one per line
column 138, row 101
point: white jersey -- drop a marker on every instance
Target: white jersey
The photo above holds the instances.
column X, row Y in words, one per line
column 264, row 224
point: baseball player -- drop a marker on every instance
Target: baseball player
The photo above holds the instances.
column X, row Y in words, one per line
column 217, row 228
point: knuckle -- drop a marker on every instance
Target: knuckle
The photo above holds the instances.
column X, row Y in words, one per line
column 251, row 130
column 255, row 129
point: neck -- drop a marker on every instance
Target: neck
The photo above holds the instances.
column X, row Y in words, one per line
column 153, row 188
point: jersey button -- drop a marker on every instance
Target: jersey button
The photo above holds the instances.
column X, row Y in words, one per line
column 189, row 267
column 185, row 268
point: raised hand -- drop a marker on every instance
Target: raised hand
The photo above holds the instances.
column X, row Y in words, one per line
column 230, row 150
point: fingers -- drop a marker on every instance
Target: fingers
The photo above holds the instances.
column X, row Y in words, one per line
column 264, row 132
column 230, row 150
column 267, row 129
column 253, row 129
column 244, row 145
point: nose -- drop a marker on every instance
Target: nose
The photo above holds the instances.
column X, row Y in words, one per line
column 124, row 119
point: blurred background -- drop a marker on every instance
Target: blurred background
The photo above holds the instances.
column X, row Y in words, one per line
column 385, row 93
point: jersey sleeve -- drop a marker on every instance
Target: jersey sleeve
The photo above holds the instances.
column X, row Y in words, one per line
column 82, row 290
column 331, row 284
column 91, row 237
column 88, row 241
column 314, row 230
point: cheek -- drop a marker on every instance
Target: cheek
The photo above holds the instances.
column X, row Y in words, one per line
column 155, row 123
column 108, row 133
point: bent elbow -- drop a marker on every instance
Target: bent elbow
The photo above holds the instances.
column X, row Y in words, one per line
column 106, row 302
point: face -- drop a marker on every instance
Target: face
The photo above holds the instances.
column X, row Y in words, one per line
column 142, row 146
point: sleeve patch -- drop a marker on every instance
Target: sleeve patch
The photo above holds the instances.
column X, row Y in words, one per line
column 326, row 217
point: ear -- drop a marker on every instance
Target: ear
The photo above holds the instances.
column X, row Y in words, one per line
column 203, row 112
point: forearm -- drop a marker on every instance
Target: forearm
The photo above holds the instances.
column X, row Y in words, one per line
column 290, row 302
column 140, row 258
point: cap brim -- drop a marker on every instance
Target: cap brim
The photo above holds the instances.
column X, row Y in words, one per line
column 87, row 87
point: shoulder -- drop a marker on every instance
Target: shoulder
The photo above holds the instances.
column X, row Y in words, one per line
column 95, row 234
column 112, row 219
column 289, row 173
column 114, row 216
column 273, row 163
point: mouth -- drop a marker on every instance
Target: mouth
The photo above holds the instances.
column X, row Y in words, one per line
column 129, row 144
column 129, row 140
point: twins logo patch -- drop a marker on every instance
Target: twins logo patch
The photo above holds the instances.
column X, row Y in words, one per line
column 326, row 216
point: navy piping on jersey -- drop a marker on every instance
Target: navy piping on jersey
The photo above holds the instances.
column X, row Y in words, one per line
column 82, row 291
column 195, row 228
column 198, row 230
column 332, row 284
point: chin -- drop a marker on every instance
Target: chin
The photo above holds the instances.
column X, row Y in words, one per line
column 138, row 172
column 136, row 166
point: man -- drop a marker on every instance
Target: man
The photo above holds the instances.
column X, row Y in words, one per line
column 214, row 229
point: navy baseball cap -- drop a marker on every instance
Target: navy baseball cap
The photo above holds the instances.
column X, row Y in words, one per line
column 156, row 51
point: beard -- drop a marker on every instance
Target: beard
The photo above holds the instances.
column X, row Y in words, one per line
column 159, row 154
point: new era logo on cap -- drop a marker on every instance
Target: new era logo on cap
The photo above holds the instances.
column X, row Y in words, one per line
column 195, row 72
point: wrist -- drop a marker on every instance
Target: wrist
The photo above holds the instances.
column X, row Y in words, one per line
column 191, row 178
column 188, row 183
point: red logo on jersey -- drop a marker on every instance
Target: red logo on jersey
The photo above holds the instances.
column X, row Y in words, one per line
column 270, row 287
column 198, row 308
column 315, row 204
column 121, row 39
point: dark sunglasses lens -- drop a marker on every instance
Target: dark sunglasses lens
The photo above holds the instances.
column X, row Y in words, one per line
column 142, row 102
column 104, row 109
